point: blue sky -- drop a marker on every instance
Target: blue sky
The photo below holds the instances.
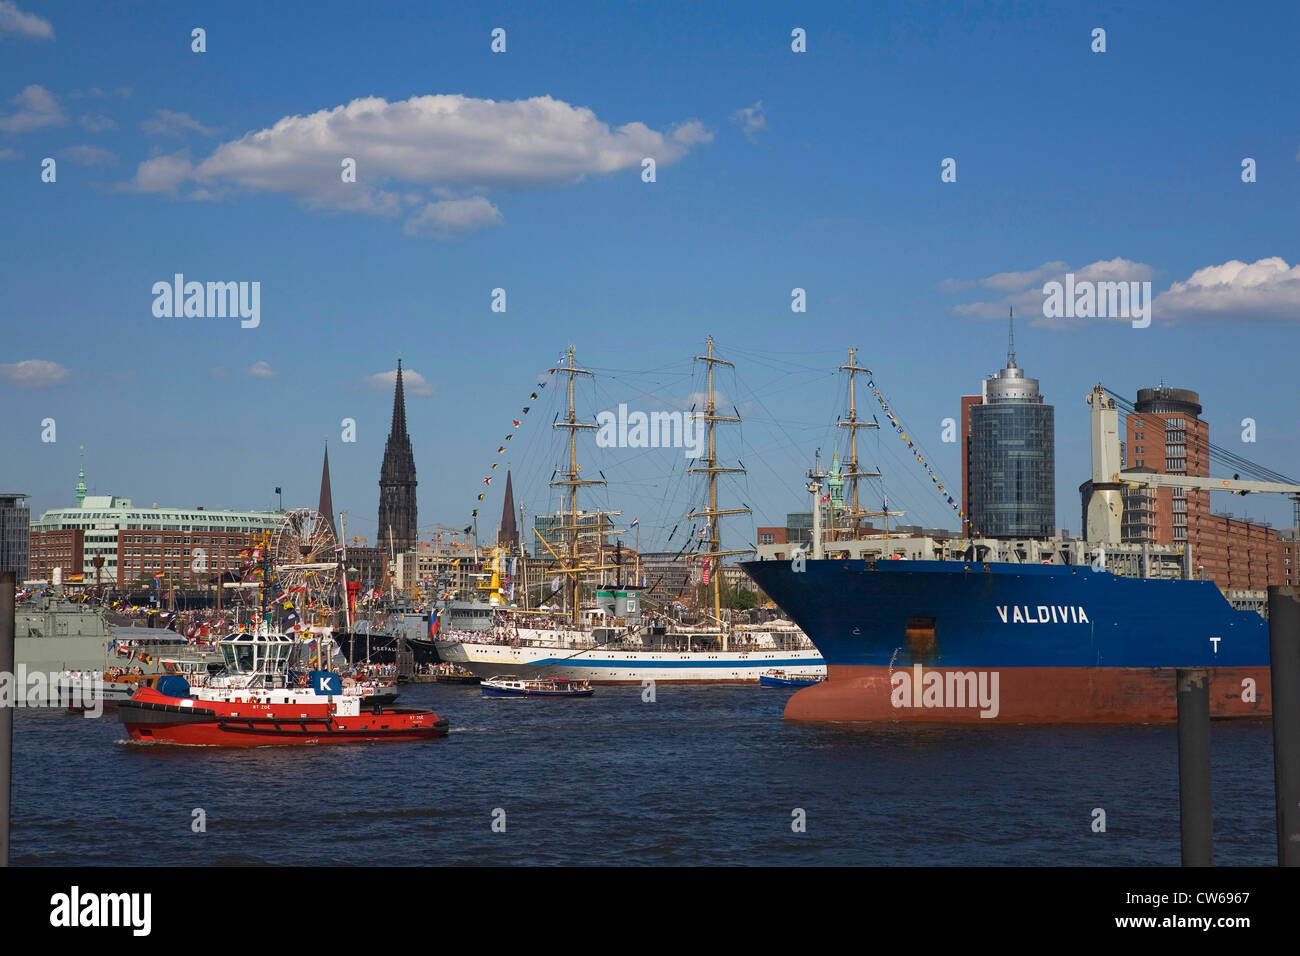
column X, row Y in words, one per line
column 172, row 161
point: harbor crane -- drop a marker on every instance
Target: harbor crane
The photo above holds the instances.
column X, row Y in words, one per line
column 1106, row 505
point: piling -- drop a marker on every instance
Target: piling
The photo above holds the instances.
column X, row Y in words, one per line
column 8, row 630
column 1284, row 667
column 1194, row 797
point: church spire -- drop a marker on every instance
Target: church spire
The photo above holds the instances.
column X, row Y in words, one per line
column 508, row 536
column 397, row 505
column 326, row 507
column 81, row 478
column 399, row 404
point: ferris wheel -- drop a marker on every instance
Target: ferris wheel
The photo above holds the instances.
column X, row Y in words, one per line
column 306, row 564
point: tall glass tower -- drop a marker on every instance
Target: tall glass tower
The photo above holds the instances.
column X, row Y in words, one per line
column 15, row 530
column 1012, row 457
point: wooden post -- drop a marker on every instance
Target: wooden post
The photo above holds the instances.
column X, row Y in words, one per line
column 1194, row 795
column 8, row 637
column 1284, row 665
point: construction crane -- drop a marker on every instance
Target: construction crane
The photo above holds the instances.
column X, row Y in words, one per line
column 1106, row 506
column 439, row 530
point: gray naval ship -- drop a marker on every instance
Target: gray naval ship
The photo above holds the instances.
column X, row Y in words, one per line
column 56, row 634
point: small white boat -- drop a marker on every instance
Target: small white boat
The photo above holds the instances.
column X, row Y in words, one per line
column 536, row 687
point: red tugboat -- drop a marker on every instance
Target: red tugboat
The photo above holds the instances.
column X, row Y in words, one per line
column 259, row 701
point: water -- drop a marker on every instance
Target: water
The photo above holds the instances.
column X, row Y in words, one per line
column 704, row 775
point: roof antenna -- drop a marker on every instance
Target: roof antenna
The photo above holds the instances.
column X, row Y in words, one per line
column 1011, row 337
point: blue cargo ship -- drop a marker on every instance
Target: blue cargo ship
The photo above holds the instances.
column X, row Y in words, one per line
column 956, row 641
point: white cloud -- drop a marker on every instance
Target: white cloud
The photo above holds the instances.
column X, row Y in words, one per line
column 96, row 93
column 1015, row 281
column 453, row 215
column 699, row 400
column 169, row 123
column 88, row 156
column 37, row 108
column 412, row 153
column 95, row 123
column 1114, row 270
column 260, row 370
column 1023, row 291
column 35, row 373
column 163, row 174
column 13, row 20
column 7, row 154
column 413, row 383
column 751, row 120
column 1267, row 290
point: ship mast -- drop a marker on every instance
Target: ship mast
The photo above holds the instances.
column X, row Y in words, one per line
column 712, row 470
column 852, row 424
column 572, row 482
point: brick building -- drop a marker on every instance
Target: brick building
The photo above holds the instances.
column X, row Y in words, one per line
column 187, row 559
column 56, row 549
column 1165, row 435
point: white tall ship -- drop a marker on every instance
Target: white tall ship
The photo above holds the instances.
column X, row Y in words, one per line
column 607, row 649
column 612, row 642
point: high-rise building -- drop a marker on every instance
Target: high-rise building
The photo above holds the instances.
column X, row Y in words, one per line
column 397, row 509
column 1009, row 457
column 1165, row 435
column 594, row 531
column 15, row 523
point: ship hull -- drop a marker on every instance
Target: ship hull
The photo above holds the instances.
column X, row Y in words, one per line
column 769, row 681
column 627, row 666
column 170, row 721
column 492, row 691
column 1025, row 695
column 919, row 640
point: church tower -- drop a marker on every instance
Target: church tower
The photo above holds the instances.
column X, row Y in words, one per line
column 397, row 480
column 508, row 534
column 326, row 506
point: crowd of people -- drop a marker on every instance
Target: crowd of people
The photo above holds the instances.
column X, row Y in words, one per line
column 372, row 671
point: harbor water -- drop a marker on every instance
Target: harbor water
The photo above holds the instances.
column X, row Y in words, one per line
column 698, row 776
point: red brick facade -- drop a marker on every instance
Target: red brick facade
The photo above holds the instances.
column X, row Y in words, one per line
column 48, row 550
column 185, row 558
column 1231, row 552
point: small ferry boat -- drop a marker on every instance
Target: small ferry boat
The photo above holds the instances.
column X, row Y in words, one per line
column 779, row 678
column 538, row 687
column 454, row 674
column 254, row 703
column 107, row 689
